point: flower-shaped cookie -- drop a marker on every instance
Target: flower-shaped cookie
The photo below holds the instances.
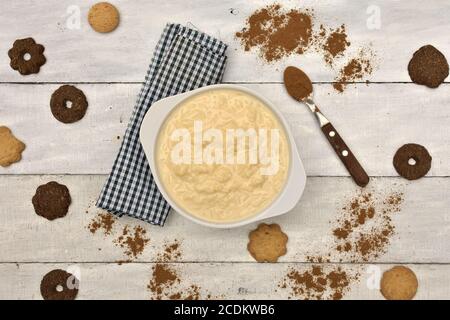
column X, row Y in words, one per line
column 26, row 56
column 10, row 147
column 267, row 243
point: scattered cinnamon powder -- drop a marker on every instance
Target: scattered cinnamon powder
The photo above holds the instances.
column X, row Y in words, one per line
column 335, row 43
column 166, row 281
column 170, row 252
column 275, row 33
column 361, row 233
column 132, row 241
column 103, row 221
column 317, row 283
column 356, row 69
column 163, row 277
column 363, row 230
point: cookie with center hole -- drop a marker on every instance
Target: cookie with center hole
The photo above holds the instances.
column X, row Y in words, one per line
column 27, row 56
column 412, row 161
column 59, row 285
column 68, row 104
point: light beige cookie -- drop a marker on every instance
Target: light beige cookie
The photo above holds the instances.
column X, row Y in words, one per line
column 267, row 243
column 399, row 283
column 103, row 17
column 10, row 147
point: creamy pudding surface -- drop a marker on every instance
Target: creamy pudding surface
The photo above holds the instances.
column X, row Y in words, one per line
column 222, row 155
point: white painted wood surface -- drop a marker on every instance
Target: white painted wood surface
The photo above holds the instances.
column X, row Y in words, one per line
column 83, row 55
column 423, row 225
column 221, row 280
column 374, row 119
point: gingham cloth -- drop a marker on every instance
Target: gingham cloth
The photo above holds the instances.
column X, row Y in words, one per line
column 184, row 60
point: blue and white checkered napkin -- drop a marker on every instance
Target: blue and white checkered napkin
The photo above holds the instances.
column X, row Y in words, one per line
column 184, row 60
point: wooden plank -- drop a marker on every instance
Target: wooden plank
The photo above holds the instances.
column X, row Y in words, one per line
column 222, row 280
column 76, row 55
column 375, row 122
column 422, row 226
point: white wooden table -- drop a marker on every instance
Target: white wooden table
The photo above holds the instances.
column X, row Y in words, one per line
column 375, row 119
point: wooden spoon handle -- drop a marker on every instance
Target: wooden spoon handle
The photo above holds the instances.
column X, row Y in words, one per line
column 346, row 155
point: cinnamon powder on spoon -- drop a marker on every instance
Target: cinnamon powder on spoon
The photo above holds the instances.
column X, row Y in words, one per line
column 297, row 83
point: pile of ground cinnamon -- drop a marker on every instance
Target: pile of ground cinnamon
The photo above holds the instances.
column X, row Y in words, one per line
column 361, row 233
column 171, row 252
column 317, row 283
column 166, row 281
column 276, row 32
column 103, row 221
column 363, row 230
column 132, row 241
column 356, row 69
column 335, row 43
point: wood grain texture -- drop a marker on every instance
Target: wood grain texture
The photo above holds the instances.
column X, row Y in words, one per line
column 84, row 55
column 374, row 121
column 221, row 280
column 422, row 227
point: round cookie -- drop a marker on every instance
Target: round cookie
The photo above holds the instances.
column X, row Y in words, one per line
column 59, row 285
column 20, row 49
column 103, row 17
column 417, row 153
column 59, row 104
column 428, row 67
column 399, row 283
column 51, row 200
column 267, row 243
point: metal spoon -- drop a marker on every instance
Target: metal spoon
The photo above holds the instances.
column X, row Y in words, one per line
column 299, row 87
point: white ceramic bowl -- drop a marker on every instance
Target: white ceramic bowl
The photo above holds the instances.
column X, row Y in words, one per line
column 289, row 195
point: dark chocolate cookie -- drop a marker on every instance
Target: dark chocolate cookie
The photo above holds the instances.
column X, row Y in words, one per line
column 428, row 67
column 20, row 49
column 421, row 161
column 59, row 104
column 59, row 285
column 52, row 200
